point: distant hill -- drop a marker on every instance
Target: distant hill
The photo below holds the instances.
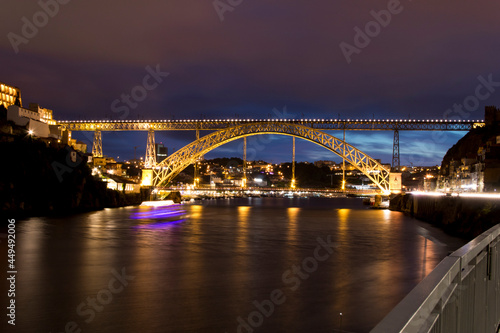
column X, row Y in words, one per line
column 468, row 146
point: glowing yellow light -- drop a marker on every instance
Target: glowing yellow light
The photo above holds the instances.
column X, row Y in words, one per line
column 147, row 177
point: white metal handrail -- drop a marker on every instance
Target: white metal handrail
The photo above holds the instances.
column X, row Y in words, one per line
column 462, row 294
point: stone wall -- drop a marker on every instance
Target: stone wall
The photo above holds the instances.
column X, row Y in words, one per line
column 462, row 216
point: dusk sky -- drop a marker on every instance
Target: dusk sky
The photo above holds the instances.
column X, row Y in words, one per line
column 258, row 59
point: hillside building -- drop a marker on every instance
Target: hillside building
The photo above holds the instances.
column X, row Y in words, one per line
column 10, row 95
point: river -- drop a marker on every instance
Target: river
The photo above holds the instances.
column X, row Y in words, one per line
column 228, row 265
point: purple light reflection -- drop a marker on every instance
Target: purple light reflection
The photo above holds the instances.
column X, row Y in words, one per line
column 160, row 217
column 158, row 213
column 159, row 225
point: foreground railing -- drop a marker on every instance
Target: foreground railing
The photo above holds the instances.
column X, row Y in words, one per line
column 462, row 294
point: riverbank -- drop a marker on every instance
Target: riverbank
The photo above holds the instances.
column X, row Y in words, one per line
column 460, row 216
column 39, row 178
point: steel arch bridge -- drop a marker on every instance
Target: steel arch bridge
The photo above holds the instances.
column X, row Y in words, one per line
column 170, row 167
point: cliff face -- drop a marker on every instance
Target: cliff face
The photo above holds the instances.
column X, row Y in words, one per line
column 39, row 180
column 468, row 146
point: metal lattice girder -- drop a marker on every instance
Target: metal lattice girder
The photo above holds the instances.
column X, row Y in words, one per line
column 97, row 145
column 325, row 124
column 293, row 162
column 395, row 152
column 245, row 158
column 150, row 160
column 167, row 169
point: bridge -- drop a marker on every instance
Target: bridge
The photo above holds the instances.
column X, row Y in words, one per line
column 226, row 130
column 322, row 124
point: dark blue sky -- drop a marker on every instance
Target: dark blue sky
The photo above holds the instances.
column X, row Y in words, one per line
column 421, row 59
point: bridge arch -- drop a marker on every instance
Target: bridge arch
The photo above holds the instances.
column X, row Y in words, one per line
column 170, row 167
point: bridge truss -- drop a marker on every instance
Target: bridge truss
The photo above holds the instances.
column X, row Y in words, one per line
column 167, row 169
column 324, row 124
column 395, row 125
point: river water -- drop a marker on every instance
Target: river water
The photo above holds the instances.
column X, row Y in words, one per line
column 233, row 265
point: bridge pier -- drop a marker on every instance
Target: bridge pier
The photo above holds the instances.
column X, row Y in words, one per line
column 293, row 184
column 150, row 160
column 396, row 163
column 244, row 180
column 343, row 164
column 97, row 144
column 196, row 180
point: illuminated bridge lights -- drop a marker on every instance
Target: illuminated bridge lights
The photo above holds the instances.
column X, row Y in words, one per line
column 323, row 124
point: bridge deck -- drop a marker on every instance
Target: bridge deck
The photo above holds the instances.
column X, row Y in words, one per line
column 322, row 124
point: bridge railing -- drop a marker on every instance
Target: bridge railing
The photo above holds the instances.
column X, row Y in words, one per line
column 462, row 294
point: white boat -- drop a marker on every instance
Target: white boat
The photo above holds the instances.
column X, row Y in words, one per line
column 159, row 203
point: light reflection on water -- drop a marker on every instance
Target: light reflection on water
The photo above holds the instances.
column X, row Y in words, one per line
column 198, row 268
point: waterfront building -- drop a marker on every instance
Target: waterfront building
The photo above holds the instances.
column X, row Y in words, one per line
column 102, row 161
column 39, row 124
column 10, row 95
column 161, row 152
column 37, row 120
column 78, row 145
column 489, row 165
column 492, row 116
column 115, row 168
column 118, row 183
column 475, row 173
column 45, row 114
